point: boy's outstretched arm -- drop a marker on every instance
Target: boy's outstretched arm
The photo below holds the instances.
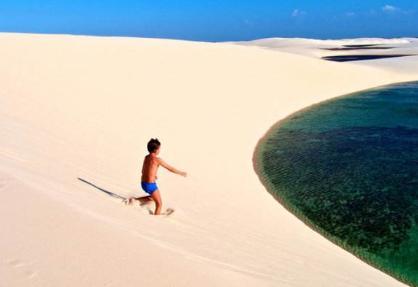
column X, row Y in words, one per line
column 170, row 168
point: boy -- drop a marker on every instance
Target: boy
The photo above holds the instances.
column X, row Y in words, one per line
column 149, row 175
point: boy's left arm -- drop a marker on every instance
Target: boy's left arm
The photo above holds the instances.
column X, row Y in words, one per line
column 170, row 168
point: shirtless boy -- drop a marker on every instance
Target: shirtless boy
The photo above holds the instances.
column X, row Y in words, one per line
column 149, row 175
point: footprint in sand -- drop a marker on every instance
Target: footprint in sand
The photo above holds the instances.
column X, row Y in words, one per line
column 18, row 264
column 31, row 274
column 165, row 213
column 168, row 212
column 3, row 183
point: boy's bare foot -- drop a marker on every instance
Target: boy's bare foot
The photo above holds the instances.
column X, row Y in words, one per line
column 141, row 200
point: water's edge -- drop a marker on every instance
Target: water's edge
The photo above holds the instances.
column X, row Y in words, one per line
column 259, row 170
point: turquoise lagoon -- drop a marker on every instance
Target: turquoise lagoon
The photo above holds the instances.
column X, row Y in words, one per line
column 348, row 167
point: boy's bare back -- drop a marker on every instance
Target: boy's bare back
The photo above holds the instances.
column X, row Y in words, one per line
column 149, row 168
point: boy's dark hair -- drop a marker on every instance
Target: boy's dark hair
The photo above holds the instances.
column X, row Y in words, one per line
column 153, row 145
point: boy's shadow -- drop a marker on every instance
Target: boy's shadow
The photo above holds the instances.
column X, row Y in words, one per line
column 103, row 190
column 112, row 194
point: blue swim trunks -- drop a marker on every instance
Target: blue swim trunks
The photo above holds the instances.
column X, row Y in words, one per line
column 149, row 187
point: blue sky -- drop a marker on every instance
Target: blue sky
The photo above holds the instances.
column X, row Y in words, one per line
column 213, row 20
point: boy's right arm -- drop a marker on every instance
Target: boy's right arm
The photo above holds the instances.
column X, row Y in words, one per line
column 170, row 168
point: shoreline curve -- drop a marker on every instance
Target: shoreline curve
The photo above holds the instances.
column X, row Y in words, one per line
column 259, row 170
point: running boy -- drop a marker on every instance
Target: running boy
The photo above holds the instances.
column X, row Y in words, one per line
column 149, row 175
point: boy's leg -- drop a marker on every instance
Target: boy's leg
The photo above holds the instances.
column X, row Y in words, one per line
column 158, row 203
column 142, row 200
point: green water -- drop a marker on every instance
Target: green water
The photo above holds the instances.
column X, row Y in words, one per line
column 348, row 167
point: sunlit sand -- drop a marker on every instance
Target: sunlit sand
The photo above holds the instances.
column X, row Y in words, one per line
column 76, row 107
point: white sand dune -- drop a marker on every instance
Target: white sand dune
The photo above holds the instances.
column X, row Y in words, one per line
column 84, row 107
column 318, row 48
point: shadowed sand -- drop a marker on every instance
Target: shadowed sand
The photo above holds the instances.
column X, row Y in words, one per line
column 103, row 190
column 84, row 107
column 348, row 58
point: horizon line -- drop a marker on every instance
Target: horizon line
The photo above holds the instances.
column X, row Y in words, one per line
column 204, row 41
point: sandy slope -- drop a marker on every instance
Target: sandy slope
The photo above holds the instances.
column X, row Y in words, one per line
column 84, row 107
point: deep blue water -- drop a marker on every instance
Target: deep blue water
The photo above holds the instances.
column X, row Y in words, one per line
column 348, row 167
